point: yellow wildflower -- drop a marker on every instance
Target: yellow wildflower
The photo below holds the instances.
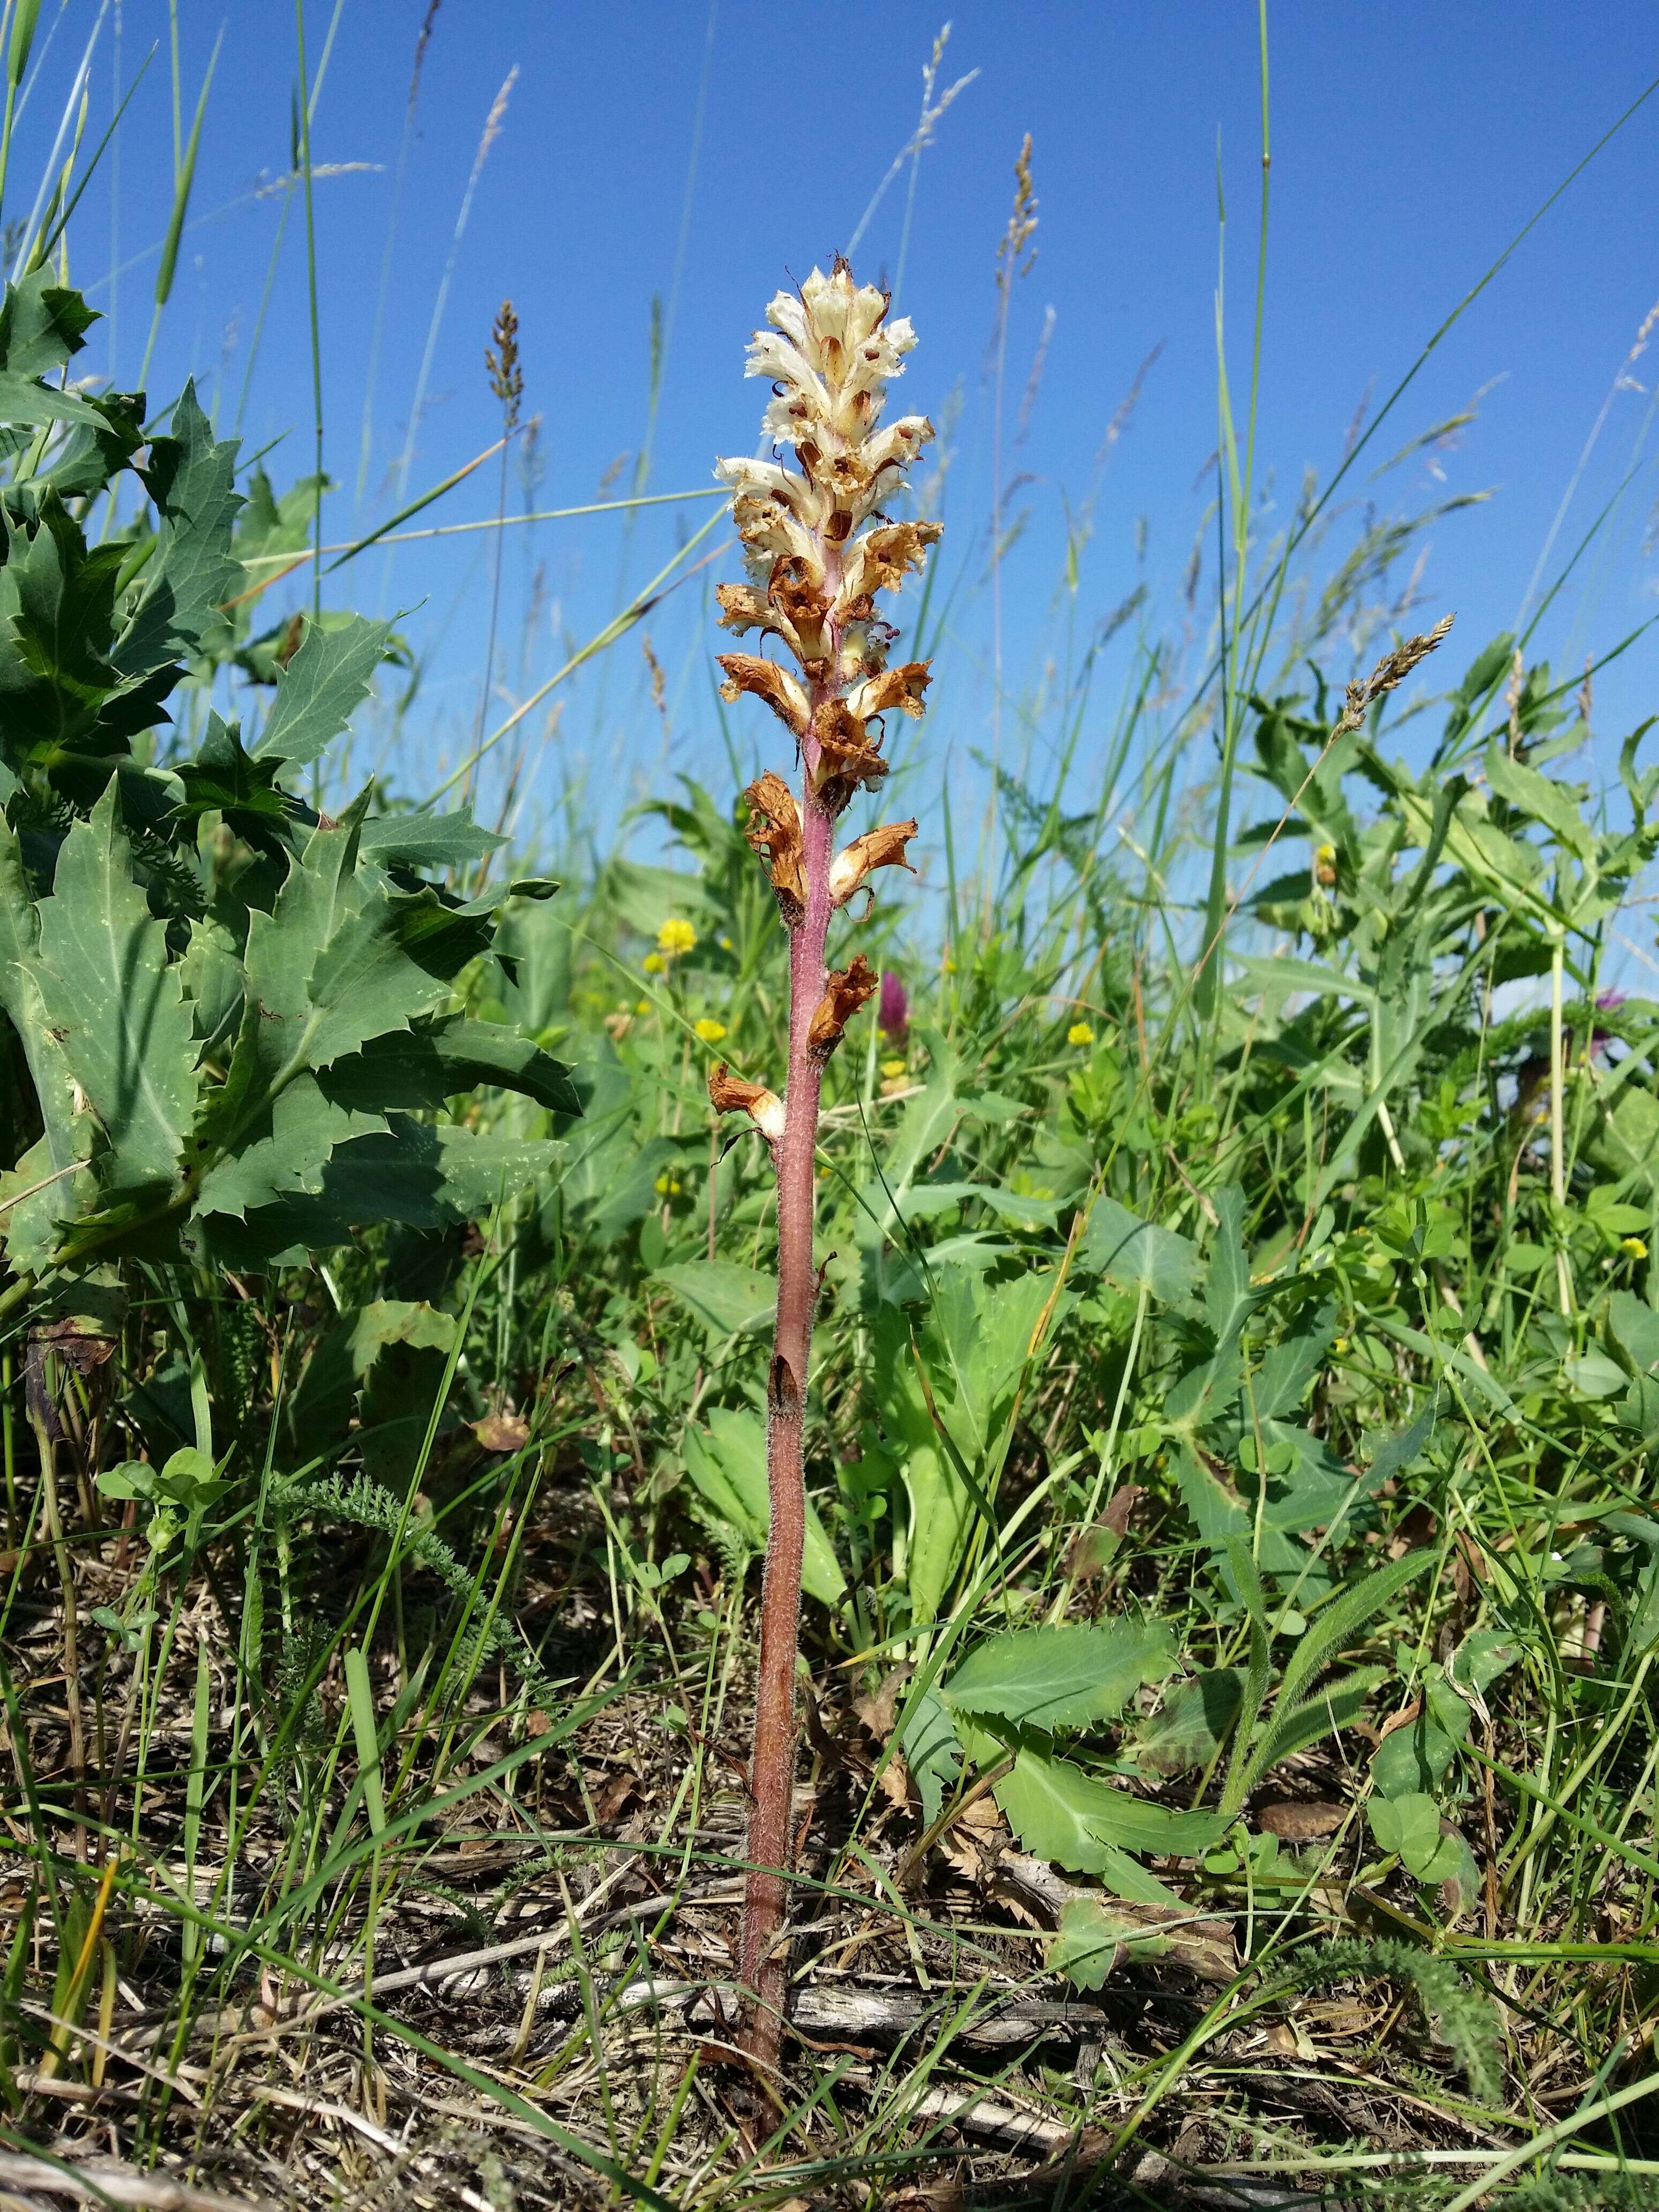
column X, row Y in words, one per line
column 653, row 963
column 708, row 1029
column 1079, row 1034
column 643, row 1007
column 667, row 1186
column 1634, row 1247
column 676, row 936
column 892, row 1069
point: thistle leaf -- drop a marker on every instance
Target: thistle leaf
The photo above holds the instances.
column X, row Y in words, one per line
column 1068, row 1677
column 117, row 1005
column 423, row 1067
column 321, row 688
column 1064, row 1815
column 191, row 575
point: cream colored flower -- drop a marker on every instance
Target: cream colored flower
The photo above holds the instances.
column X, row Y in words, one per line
column 816, row 556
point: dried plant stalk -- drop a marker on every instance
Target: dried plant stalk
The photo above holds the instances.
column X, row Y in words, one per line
column 817, row 560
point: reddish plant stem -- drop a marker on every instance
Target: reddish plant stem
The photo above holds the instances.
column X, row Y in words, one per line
column 772, row 1768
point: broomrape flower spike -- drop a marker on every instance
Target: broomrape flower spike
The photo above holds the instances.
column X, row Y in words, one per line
column 820, row 547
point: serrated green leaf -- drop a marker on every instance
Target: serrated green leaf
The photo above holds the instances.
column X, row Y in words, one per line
column 411, row 1174
column 728, row 1299
column 1068, row 1677
column 285, row 1154
column 224, row 779
column 117, row 1005
column 1635, row 1326
column 424, row 1066
column 42, row 324
column 1544, row 799
column 931, row 1750
column 429, row 841
column 321, row 688
column 211, row 972
column 1191, row 1726
column 343, row 958
column 30, row 1224
column 192, row 574
column 389, row 962
column 1131, row 1253
column 726, row 1463
column 1067, row 1816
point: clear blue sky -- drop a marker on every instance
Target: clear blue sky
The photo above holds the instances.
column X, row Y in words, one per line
column 655, row 148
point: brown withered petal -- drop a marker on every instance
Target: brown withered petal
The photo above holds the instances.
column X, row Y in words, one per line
column 747, row 672
column 774, row 832
column 848, row 755
column 800, row 602
column 731, row 1093
column 845, row 990
column 891, row 552
column 876, row 848
column 901, row 687
column 743, row 608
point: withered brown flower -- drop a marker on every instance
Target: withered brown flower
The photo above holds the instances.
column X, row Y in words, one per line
column 774, row 832
column 847, row 756
column 748, row 671
column 876, row 848
column 845, row 990
column 901, row 687
column 732, row 1094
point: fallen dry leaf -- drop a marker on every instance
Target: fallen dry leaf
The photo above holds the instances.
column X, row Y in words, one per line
column 880, row 1712
column 1300, row 1820
column 502, row 1432
column 1403, row 1718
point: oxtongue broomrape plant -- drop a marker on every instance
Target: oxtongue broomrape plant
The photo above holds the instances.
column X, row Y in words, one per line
column 818, row 552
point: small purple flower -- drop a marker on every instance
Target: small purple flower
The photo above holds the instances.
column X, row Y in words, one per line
column 894, row 1011
column 1606, row 1002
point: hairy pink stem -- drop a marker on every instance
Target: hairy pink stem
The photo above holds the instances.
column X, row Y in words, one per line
column 772, row 1766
